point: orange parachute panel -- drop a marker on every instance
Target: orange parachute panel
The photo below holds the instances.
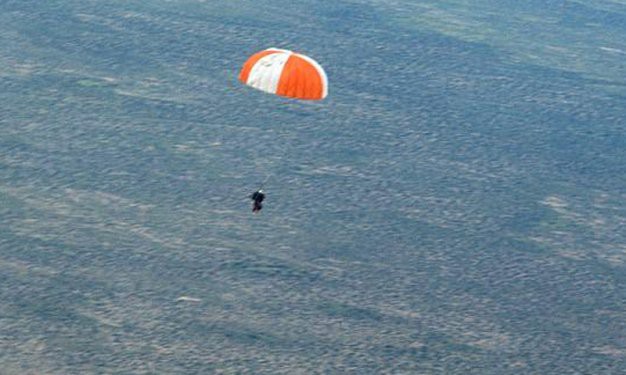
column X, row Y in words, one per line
column 300, row 79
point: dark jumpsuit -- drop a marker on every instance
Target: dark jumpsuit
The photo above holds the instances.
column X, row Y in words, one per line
column 257, row 197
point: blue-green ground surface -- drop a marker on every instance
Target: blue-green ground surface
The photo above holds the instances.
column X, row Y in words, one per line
column 456, row 205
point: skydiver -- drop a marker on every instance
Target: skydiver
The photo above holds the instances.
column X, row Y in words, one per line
column 257, row 197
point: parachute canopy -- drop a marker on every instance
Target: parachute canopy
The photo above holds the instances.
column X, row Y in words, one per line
column 285, row 73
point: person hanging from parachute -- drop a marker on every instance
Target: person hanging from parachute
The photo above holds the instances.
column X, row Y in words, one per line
column 257, row 198
column 284, row 73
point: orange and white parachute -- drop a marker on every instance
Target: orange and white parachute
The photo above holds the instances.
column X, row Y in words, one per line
column 285, row 73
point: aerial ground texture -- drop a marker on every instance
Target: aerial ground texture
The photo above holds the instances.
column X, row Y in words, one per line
column 457, row 205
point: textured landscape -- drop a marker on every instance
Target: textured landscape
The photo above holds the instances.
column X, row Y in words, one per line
column 457, row 205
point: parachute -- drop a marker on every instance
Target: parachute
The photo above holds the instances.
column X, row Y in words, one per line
column 285, row 73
